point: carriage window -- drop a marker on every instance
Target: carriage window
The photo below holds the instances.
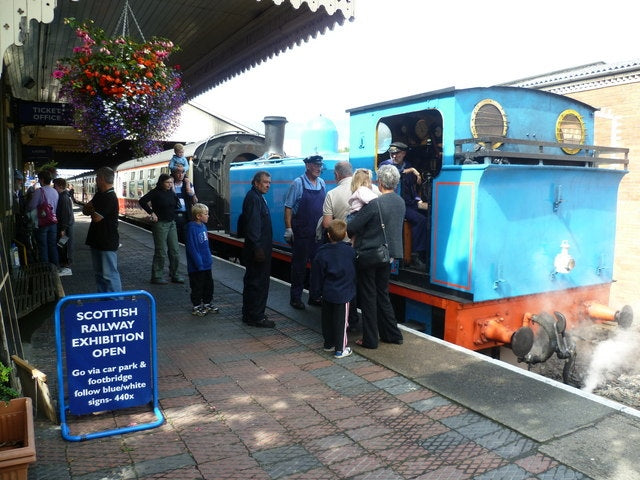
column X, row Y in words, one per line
column 152, row 173
column 141, row 175
column 488, row 120
column 570, row 128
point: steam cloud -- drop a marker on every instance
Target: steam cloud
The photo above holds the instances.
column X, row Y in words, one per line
column 615, row 357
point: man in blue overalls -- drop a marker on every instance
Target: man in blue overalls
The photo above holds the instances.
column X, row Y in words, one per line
column 302, row 210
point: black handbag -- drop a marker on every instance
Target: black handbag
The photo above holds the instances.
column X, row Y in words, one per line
column 374, row 256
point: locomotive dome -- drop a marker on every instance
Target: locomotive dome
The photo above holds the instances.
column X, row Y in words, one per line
column 320, row 136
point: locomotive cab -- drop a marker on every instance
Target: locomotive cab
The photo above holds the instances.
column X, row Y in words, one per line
column 422, row 132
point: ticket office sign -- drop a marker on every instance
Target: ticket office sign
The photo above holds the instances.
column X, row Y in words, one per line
column 108, row 355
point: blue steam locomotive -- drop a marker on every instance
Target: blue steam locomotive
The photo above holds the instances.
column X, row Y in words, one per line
column 521, row 217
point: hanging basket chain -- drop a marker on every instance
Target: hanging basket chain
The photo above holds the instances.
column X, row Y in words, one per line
column 123, row 22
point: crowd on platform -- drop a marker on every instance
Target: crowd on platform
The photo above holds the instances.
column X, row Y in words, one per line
column 350, row 236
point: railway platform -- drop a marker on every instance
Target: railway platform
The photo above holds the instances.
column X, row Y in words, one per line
column 249, row 403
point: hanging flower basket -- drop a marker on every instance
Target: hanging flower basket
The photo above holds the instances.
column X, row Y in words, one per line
column 121, row 89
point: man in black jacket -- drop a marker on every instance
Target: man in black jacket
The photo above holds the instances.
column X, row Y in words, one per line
column 256, row 255
column 103, row 237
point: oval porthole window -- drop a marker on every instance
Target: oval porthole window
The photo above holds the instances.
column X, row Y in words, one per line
column 488, row 119
column 570, row 128
column 383, row 138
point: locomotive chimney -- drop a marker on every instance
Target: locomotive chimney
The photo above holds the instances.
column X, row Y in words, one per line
column 274, row 136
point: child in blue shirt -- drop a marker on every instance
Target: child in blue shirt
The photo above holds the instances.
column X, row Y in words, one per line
column 333, row 277
column 199, row 262
column 178, row 158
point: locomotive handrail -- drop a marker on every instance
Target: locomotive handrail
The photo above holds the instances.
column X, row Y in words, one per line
column 260, row 161
column 592, row 154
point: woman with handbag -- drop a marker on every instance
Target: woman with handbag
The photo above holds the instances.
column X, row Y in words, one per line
column 45, row 201
column 377, row 228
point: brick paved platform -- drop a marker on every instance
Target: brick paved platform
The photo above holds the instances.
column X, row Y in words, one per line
column 248, row 403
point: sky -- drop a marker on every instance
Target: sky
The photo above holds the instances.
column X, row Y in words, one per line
column 402, row 47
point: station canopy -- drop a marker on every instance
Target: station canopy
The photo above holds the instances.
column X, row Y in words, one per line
column 218, row 40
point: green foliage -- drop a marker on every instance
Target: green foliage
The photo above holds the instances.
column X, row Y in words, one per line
column 6, row 392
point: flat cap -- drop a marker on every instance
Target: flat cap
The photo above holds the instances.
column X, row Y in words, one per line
column 396, row 147
column 314, row 159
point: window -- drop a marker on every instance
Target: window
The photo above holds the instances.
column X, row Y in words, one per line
column 488, row 120
column 570, row 128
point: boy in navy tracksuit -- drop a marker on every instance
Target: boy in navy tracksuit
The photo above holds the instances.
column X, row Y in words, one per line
column 333, row 277
column 199, row 262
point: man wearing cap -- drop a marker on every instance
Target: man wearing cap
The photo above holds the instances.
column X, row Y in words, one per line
column 415, row 206
column 302, row 210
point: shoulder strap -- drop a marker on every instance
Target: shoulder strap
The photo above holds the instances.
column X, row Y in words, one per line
column 384, row 232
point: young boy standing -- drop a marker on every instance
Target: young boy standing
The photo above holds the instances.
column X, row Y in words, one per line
column 199, row 262
column 333, row 277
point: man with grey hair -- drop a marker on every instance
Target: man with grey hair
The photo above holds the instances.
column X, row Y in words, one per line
column 103, row 237
column 336, row 203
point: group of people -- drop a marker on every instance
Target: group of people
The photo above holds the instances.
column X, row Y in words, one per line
column 45, row 212
column 175, row 214
column 329, row 229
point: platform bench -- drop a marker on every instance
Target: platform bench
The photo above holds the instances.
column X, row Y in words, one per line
column 34, row 285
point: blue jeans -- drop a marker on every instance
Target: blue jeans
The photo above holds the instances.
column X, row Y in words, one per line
column 105, row 265
column 47, row 247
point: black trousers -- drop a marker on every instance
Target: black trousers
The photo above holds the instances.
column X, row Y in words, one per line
column 302, row 251
column 256, row 286
column 378, row 317
column 334, row 324
column 181, row 225
column 201, row 284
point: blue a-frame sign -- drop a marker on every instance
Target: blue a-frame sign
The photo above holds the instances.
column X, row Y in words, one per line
column 108, row 345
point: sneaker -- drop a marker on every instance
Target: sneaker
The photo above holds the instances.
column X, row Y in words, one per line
column 63, row 272
column 328, row 349
column 210, row 307
column 344, row 353
column 198, row 311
